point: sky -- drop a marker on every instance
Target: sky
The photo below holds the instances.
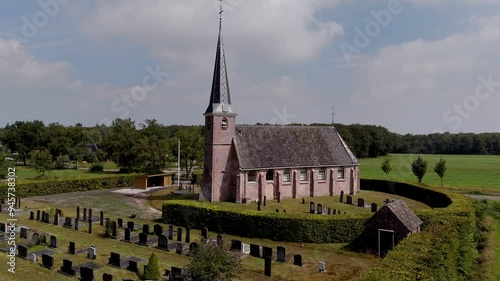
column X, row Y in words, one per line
column 412, row 66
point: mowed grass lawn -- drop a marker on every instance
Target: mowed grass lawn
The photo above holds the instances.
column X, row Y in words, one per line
column 28, row 173
column 465, row 172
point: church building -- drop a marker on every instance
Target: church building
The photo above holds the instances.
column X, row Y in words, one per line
column 246, row 163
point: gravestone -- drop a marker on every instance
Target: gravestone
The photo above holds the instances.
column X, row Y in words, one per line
column 329, row 211
column 114, row 259
column 76, row 223
column 188, row 235
column 91, row 253
column 171, row 232
column 32, row 215
column 47, row 261
column 90, row 215
column 204, row 233
column 303, row 201
column 281, row 254
column 67, row 222
column 320, row 209
column 43, row 216
column 22, row 251
column 86, row 273
column 258, row 206
column 101, row 217
column 341, row 196
column 334, row 211
column 107, row 277
column 158, row 229
column 72, row 248
column 162, row 242
column 192, row 248
column 297, row 260
column 24, row 233
column 114, row 229
column 267, row 266
column 66, row 268
column 267, row 252
column 349, row 199
column 127, row 234
column 236, row 245
column 321, row 266
column 312, row 208
column 255, row 250
column 145, row 228
column 175, row 272
column 47, row 218
column 78, row 212
column 84, row 214
column 265, row 199
column 361, row 202
column 53, row 241
column 278, row 196
column 219, row 239
column 374, row 207
column 2, row 227
column 90, row 225
column 56, row 219
column 132, row 266
column 178, row 249
column 277, row 210
column 130, row 225
column 143, row 239
column 120, row 222
column 38, row 215
column 179, row 234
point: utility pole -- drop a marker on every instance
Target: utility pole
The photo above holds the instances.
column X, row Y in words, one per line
column 179, row 164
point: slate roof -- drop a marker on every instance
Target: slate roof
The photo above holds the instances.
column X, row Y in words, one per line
column 404, row 214
column 269, row 147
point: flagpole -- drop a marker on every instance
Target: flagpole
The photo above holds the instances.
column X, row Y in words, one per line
column 179, row 164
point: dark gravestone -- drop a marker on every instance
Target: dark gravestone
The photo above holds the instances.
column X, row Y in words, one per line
column 101, row 218
column 43, row 216
column 176, row 273
column 179, row 234
column 107, row 277
column 66, row 268
column 38, row 215
column 258, row 206
column 132, row 265
column 90, row 214
column 236, row 245
column 297, row 260
column 114, row 259
column 78, row 212
column 162, row 242
column 53, row 241
column 143, row 239
column 120, row 222
column 278, row 196
column 267, row 266
column 86, row 273
column 219, row 239
column 267, row 252
column 127, row 234
column 32, row 215
column 361, row 202
column 114, row 230
column 188, row 235
column 2, row 227
column 158, row 229
column 22, row 251
column 47, row 261
column 56, row 219
column 76, row 223
column 303, row 201
column 90, row 225
column 374, row 207
column 204, row 233
column 84, row 214
column 130, row 225
column 265, row 201
column 312, row 208
column 277, row 210
column 193, row 247
column 24, row 233
column 47, row 218
column 145, row 228
column 334, row 211
column 320, row 209
column 329, row 211
column 72, row 248
column 349, row 199
column 178, row 249
column 341, row 196
column 281, row 254
column 255, row 250
column 170, row 232
column 67, row 222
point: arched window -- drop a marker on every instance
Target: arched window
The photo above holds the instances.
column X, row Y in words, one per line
column 322, row 174
column 252, row 176
column 286, row 176
column 224, row 124
column 270, row 175
column 303, row 175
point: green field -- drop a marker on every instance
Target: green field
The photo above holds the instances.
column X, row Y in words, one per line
column 465, row 172
column 28, row 173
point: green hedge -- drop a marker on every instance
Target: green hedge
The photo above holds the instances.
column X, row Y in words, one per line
column 36, row 188
column 275, row 226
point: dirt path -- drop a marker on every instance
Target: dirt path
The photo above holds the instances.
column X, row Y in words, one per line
column 484, row 197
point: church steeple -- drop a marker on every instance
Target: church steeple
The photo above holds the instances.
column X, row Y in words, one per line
column 220, row 98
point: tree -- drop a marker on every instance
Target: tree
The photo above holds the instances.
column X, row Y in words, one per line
column 419, row 168
column 23, row 137
column 119, row 144
column 192, row 147
column 440, row 169
column 152, row 271
column 386, row 166
column 4, row 166
column 212, row 262
column 42, row 161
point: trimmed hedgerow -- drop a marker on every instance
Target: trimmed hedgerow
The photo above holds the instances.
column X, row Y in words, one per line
column 36, row 188
column 275, row 226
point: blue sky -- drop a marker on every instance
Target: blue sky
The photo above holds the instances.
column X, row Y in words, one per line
column 428, row 66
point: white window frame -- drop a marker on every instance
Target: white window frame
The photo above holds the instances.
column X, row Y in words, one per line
column 286, row 176
column 322, row 174
column 341, row 173
column 303, row 175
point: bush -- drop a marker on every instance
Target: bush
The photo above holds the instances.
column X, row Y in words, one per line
column 96, row 167
column 152, row 270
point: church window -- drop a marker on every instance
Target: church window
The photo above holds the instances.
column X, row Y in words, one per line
column 303, row 175
column 286, row 176
column 322, row 174
column 252, row 176
column 340, row 174
column 209, row 124
column 270, row 175
column 224, row 124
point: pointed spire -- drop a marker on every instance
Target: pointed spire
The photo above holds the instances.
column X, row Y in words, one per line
column 220, row 99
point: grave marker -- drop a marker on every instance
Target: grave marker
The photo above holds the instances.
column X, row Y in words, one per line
column 84, row 214
column 145, row 228
column 91, row 253
column 101, row 216
column 297, row 260
column 22, row 251
column 188, row 235
column 193, row 247
column 255, row 250
column 120, row 222
column 312, row 208
column 53, row 241
column 267, row 266
column 24, row 233
column 32, row 215
column 143, row 239
column 361, row 202
column 127, row 234
column 71, row 248
column 163, row 242
column 374, row 207
column 219, row 239
column 76, row 223
column 67, row 222
column 281, row 254
column 86, row 273
column 132, row 265
column 341, row 196
column 78, row 212
column 349, row 199
column 130, row 225
column 320, row 209
column 204, row 233
column 158, row 229
column 321, row 266
column 170, row 232
column 179, row 234
column 236, row 245
column 267, row 252
column 47, row 261
column 90, row 225
column 66, row 268
column 38, row 215
column 56, row 219
column 114, row 259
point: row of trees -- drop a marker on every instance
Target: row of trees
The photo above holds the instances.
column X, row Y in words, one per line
column 418, row 167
